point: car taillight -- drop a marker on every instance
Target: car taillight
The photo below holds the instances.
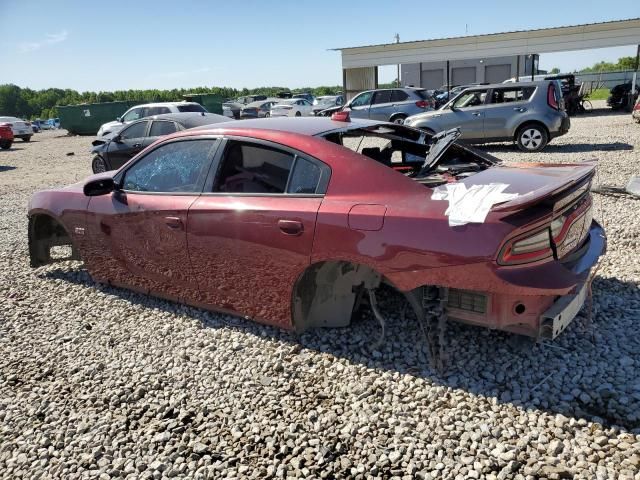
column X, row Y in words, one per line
column 637, row 106
column 551, row 97
column 422, row 104
column 538, row 245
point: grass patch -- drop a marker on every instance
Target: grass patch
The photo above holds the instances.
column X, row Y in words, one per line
column 599, row 94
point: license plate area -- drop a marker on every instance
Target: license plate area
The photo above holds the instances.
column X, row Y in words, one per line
column 556, row 319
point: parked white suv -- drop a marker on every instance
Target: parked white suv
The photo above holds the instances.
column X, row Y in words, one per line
column 148, row 110
column 21, row 128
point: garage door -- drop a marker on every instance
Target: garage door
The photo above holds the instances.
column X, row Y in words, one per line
column 432, row 78
column 497, row 73
column 463, row 75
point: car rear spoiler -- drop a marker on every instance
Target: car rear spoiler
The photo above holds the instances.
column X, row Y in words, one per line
column 580, row 176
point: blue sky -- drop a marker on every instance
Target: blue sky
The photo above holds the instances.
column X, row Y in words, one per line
column 89, row 45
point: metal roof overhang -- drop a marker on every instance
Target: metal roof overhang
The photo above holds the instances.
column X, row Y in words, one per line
column 559, row 39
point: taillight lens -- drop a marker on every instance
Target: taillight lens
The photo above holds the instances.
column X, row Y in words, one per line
column 551, row 97
column 637, row 106
column 422, row 104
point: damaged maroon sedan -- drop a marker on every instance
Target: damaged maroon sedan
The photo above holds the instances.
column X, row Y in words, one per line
column 292, row 222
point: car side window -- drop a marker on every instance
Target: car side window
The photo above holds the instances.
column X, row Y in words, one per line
column 383, row 96
column 253, row 168
column 134, row 114
column 137, row 130
column 472, row 98
column 506, row 95
column 362, row 99
column 305, row 177
column 399, row 96
column 179, row 167
column 159, row 128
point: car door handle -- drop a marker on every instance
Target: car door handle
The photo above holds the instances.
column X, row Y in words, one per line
column 519, row 109
column 137, row 145
column 291, row 227
column 476, row 114
column 173, row 222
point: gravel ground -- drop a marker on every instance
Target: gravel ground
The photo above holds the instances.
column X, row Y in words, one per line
column 98, row 382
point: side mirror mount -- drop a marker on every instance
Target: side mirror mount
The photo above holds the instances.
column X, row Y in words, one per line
column 117, row 139
column 100, row 186
column 119, row 119
column 452, row 107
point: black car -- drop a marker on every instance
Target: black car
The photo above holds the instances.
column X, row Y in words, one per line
column 621, row 96
column 114, row 150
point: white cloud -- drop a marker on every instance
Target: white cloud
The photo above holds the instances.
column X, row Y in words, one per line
column 51, row 38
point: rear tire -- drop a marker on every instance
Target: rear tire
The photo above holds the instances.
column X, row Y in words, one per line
column 298, row 114
column 532, row 137
column 5, row 145
column 399, row 119
column 27, row 138
column 98, row 165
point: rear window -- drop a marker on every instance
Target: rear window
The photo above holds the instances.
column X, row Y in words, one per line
column 162, row 128
column 399, row 96
column 423, row 94
column 192, row 107
column 383, row 96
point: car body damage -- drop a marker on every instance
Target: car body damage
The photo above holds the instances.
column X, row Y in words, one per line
column 303, row 233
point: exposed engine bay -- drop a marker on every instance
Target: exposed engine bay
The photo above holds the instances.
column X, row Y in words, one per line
column 428, row 159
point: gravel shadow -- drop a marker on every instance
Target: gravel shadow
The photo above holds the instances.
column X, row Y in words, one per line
column 589, row 372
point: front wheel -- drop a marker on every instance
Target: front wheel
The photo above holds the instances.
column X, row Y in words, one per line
column 27, row 138
column 399, row 119
column 586, row 106
column 298, row 114
column 5, row 145
column 98, row 165
column 532, row 138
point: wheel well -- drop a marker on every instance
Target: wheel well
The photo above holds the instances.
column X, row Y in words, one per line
column 531, row 122
column 46, row 232
column 326, row 293
column 396, row 115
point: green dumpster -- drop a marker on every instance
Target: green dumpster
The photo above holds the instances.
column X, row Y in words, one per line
column 86, row 118
column 213, row 103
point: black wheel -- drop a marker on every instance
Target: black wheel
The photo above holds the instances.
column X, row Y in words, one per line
column 298, row 114
column 267, row 115
column 586, row 106
column 26, row 139
column 5, row 145
column 399, row 119
column 532, row 137
column 98, row 165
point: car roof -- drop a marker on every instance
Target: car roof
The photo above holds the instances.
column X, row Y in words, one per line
column 164, row 104
column 311, row 126
column 509, row 85
column 188, row 119
column 257, row 103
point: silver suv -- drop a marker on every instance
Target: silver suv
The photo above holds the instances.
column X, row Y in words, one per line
column 530, row 114
column 390, row 104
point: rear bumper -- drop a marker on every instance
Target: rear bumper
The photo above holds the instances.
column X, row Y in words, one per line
column 539, row 316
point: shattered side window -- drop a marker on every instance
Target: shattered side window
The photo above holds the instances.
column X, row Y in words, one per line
column 175, row 167
column 305, row 177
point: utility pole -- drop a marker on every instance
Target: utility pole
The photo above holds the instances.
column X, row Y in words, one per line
column 397, row 38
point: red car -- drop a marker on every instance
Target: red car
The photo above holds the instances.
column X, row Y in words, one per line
column 6, row 136
column 276, row 220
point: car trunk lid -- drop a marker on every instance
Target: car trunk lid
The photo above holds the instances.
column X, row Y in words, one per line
column 533, row 183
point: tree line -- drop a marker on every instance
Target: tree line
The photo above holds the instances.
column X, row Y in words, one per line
column 30, row 104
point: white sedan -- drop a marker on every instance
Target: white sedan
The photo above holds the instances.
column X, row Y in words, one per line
column 21, row 129
column 292, row 107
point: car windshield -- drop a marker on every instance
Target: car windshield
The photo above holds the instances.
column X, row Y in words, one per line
column 326, row 100
column 191, row 107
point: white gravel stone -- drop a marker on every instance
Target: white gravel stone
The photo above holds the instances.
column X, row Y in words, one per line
column 97, row 381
